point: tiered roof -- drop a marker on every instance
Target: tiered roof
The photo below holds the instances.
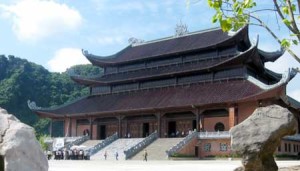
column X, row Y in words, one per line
column 197, row 41
column 212, row 92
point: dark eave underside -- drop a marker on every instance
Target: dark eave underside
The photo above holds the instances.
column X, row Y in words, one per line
column 206, row 40
column 197, row 94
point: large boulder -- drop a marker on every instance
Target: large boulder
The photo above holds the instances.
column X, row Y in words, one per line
column 19, row 149
column 257, row 137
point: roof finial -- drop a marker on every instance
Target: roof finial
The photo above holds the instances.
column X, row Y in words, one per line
column 181, row 29
column 134, row 41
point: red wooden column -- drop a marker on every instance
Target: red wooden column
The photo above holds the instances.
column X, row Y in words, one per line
column 232, row 117
column 120, row 118
column 158, row 115
column 91, row 127
column 68, row 124
column 50, row 127
column 199, row 118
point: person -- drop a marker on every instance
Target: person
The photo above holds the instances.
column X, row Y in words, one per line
column 129, row 135
column 105, row 155
column 117, row 155
column 145, row 155
column 49, row 155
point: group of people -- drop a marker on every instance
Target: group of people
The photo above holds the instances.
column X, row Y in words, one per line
column 76, row 154
column 178, row 134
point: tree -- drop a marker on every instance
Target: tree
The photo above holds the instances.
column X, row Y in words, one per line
column 234, row 14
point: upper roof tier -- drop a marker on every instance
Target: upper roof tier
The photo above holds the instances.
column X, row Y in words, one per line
column 190, row 42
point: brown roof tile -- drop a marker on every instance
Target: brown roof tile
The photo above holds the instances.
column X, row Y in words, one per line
column 202, row 40
column 198, row 94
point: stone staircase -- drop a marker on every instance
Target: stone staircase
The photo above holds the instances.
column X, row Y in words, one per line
column 91, row 143
column 117, row 146
column 157, row 150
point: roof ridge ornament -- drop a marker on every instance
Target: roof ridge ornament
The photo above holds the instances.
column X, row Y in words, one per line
column 135, row 41
column 32, row 105
column 181, row 29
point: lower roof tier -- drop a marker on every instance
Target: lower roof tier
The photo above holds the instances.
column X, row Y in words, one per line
column 163, row 98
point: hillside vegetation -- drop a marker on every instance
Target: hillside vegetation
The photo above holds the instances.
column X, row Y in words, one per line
column 21, row 80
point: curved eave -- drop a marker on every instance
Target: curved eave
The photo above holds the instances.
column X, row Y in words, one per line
column 103, row 60
column 232, row 61
column 86, row 81
column 264, row 94
column 270, row 56
column 112, row 60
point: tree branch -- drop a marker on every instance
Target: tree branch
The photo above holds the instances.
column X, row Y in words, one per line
column 262, row 10
column 298, row 2
column 276, row 38
column 291, row 14
column 281, row 16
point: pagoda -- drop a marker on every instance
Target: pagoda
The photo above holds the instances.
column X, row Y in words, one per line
column 207, row 80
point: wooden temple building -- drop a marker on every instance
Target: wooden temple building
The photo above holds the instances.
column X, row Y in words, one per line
column 205, row 81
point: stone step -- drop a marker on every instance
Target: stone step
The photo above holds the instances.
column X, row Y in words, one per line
column 117, row 146
column 91, row 143
column 157, row 149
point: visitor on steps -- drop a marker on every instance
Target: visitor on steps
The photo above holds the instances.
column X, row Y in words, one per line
column 117, row 155
column 105, row 155
column 145, row 155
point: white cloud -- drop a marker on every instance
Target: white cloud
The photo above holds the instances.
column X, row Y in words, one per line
column 284, row 62
column 65, row 58
column 36, row 19
column 295, row 94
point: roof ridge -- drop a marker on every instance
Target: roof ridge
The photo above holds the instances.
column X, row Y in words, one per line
column 175, row 37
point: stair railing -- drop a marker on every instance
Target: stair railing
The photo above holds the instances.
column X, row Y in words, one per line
column 138, row 147
column 182, row 143
column 93, row 150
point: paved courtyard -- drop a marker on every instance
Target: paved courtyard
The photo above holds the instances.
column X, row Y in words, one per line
column 203, row 165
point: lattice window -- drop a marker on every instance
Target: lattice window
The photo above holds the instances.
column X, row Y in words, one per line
column 164, row 62
column 228, row 51
column 219, row 126
column 207, row 147
column 131, row 67
column 158, row 83
column 236, row 72
column 194, row 78
column 125, row 87
column 223, row 147
column 111, row 70
column 100, row 89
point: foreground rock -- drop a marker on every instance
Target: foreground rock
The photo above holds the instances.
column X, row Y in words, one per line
column 257, row 138
column 18, row 146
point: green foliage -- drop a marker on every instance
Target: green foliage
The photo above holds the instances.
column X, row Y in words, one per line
column 234, row 14
column 286, row 156
column 42, row 142
column 182, row 155
column 236, row 19
column 21, row 80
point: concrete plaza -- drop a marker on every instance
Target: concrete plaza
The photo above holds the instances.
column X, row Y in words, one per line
column 204, row 165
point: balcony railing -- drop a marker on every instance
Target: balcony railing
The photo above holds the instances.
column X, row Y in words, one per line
column 137, row 148
column 214, row 135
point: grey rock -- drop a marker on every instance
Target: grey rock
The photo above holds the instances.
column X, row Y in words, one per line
column 18, row 145
column 257, row 137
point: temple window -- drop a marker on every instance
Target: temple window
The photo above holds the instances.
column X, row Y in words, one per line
column 223, row 147
column 207, row 147
column 219, row 126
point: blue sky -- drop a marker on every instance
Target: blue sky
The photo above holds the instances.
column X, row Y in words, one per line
column 53, row 32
